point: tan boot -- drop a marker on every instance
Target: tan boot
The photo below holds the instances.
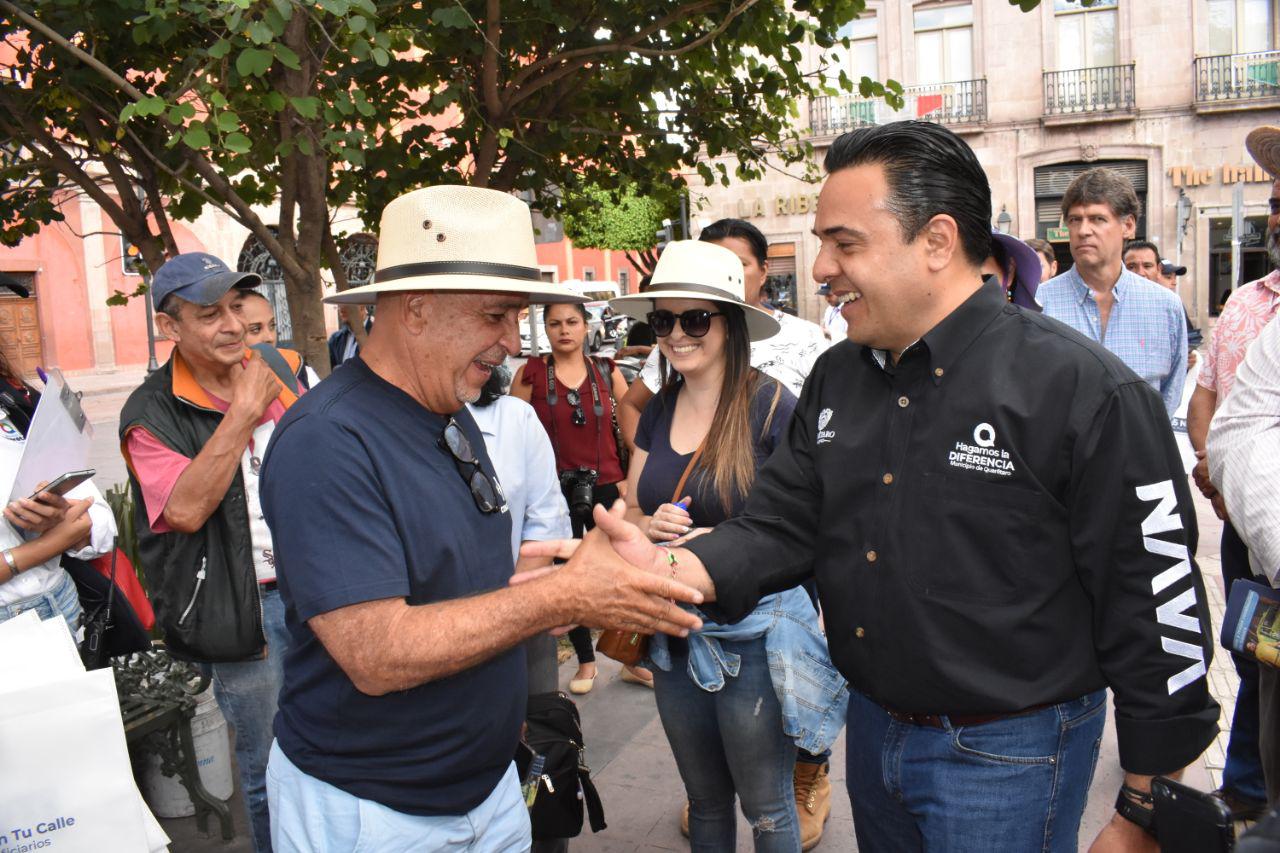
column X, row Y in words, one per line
column 684, row 820
column 813, row 801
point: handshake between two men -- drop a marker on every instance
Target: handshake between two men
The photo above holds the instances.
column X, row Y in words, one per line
column 616, row 578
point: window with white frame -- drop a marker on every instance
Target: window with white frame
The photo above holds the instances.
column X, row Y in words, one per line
column 1088, row 36
column 860, row 59
column 944, row 43
column 1241, row 26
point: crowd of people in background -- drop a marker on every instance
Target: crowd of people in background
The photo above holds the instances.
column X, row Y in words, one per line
column 951, row 513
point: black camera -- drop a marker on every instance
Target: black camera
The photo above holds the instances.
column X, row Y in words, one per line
column 579, row 486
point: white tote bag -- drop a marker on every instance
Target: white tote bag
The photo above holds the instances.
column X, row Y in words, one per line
column 66, row 784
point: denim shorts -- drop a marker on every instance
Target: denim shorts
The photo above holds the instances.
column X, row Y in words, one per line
column 61, row 600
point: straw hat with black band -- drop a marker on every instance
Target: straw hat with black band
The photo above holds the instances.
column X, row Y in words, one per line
column 457, row 239
column 1264, row 147
column 692, row 269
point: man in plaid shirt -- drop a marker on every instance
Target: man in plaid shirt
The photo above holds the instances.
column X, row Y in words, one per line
column 1138, row 320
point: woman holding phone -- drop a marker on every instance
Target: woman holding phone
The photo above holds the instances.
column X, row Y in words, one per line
column 736, row 701
column 38, row 530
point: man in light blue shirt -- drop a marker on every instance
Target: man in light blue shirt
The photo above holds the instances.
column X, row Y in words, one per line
column 1138, row 320
column 526, row 467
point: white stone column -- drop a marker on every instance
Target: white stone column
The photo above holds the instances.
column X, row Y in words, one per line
column 95, row 276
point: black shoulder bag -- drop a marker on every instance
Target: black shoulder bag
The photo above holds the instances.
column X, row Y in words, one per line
column 552, row 763
column 111, row 627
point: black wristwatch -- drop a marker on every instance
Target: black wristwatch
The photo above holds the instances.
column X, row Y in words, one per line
column 1145, row 818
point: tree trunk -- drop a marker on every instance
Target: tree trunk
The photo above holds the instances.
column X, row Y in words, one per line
column 307, row 314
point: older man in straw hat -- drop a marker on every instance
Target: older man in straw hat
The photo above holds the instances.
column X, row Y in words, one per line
column 404, row 690
column 1242, row 449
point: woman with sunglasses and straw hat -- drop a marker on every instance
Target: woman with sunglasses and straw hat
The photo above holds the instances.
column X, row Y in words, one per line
column 574, row 396
column 735, row 700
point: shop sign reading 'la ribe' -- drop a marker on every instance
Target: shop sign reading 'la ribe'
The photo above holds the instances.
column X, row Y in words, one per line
column 782, row 205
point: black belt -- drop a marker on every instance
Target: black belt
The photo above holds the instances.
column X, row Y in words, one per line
column 939, row 721
column 267, row 586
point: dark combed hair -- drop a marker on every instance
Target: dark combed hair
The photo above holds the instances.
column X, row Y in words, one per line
column 1103, row 186
column 728, row 457
column 1143, row 244
column 577, row 306
column 723, row 229
column 930, row 171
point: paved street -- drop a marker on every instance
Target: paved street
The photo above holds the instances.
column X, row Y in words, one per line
column 626, row 747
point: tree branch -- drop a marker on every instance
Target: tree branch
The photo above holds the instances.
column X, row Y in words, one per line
column 489, row 60
column 58, row 39
column 55, row 153
column 631, row 45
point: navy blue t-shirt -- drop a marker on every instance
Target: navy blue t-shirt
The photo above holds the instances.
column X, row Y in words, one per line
column 363, row 504
column 663, row 467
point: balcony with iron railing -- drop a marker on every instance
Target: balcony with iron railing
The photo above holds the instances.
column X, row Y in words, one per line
column 1089, row 94
column 958, row 105
column 1237, row 81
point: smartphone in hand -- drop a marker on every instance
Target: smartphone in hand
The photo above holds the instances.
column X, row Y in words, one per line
column 65, row 483
column 1190, row 821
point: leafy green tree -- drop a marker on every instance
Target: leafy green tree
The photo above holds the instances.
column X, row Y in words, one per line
column 159, row 108
column 623, row 220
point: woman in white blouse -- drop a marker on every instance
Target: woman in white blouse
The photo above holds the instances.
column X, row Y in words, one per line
column 36, row 533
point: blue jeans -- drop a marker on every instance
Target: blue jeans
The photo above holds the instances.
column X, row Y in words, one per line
column 312, row 816
column 62, row 600
column 731, row 742
column 247, row 693
column 1016, row 784
column 1242, row 773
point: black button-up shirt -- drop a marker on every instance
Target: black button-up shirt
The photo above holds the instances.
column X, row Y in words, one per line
column 999, row 520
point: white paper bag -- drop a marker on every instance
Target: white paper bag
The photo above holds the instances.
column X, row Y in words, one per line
column 65, row 777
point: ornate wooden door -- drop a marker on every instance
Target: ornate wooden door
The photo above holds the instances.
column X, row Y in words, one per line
column 20, row 328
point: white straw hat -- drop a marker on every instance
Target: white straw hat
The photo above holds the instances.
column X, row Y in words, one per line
column 457, row 238
column 693, row 269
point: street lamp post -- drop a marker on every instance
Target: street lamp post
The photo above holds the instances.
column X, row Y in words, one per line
column 152, row 364
column 1004, row 222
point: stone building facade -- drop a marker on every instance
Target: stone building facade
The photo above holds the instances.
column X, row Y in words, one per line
column 1164, row 90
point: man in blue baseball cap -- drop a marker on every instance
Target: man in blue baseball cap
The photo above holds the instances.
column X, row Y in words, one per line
column 193, row 435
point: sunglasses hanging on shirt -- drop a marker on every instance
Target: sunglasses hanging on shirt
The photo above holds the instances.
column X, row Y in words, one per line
column 695, row 322
column 486, row 491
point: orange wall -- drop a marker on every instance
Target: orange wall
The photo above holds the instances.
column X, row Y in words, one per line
column 56, row 256
column 570, row 261
column 129, row 322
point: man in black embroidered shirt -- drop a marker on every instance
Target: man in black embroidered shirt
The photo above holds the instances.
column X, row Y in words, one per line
column 997, row 517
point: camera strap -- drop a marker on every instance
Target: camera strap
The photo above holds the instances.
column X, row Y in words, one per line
column 553, row 399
